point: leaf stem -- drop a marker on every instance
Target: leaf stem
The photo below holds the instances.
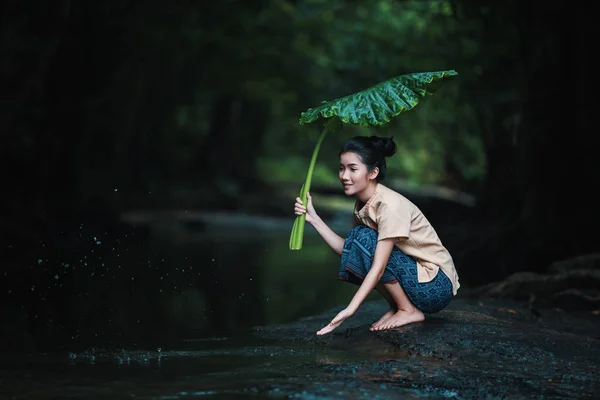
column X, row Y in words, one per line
column 298, row 228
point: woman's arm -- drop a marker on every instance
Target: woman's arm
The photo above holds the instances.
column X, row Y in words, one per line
column 332, row 239
column 380, row 259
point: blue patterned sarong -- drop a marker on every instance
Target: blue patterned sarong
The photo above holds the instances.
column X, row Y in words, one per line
column 357, row 257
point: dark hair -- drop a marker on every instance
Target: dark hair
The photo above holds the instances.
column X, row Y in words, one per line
column 372, row 150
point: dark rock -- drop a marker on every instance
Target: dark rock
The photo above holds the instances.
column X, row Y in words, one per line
column 493, row 349
column 584, row 262
column 571, row 285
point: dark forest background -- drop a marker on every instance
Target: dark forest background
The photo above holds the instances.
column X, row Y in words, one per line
column 114, row 107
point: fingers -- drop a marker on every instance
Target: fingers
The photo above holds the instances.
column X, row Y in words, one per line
column 326, row 329
column 299, row 209
column 332, row 325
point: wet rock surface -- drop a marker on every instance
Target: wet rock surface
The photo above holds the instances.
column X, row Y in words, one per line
column 488, row 348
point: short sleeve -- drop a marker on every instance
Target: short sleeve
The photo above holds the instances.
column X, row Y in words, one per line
column 393, row 222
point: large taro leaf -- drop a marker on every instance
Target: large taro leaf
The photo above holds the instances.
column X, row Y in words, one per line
column 377, row 105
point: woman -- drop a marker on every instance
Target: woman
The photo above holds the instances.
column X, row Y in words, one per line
column 391, row 246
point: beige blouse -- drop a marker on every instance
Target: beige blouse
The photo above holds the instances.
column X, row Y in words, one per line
column 394, row 216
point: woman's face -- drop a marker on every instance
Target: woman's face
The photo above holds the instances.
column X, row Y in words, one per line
column 354, row 175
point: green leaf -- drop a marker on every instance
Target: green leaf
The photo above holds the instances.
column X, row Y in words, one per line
column 377, row 105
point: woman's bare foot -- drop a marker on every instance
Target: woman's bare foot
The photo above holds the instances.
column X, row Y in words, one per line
column 401, row 318
column 384, row 318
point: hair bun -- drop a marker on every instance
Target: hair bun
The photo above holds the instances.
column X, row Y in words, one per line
column 386, row 146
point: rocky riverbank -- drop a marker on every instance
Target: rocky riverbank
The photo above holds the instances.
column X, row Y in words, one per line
column 476, row 348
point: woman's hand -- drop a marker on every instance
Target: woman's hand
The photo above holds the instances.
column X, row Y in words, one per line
column 309, row 210
column 337, row 321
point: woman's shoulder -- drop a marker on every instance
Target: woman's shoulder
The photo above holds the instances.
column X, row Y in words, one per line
column 390, row 197
column 394, row 202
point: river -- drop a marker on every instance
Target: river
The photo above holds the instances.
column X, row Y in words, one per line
column 168, row 313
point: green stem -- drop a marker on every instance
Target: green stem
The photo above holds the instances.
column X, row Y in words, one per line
column 298, row 228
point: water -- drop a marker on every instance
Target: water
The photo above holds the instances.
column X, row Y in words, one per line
column 164, row 316
column 225, row 368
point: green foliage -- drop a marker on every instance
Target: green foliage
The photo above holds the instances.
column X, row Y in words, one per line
column 366, row 43
column 377, row 105
column 142, row 110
